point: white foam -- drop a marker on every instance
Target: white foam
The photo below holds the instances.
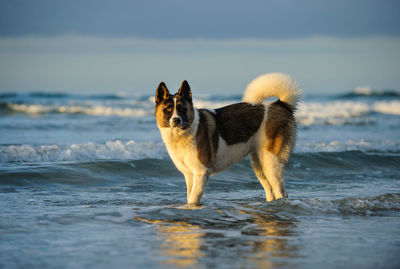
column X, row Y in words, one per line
column 349, row 205
column 348, row 145
column 384, row 107
column 363, row 90
column 110, row 150
column 98, row 110
column 341, row 113
column 336, row 113
column 132, row 150
column 308, row 113
column 212, row 105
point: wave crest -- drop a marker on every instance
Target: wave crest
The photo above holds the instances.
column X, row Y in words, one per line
column 308, row 113
column 98, row 110
column 344, row 113
column 365, row 91
column 110, row 150
column 387, row 146
column 350, row 205
column 132, row 150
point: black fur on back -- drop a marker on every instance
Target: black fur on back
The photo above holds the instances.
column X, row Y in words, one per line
column 238, row 122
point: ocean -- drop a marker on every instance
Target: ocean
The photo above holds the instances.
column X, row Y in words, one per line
column 86, row 182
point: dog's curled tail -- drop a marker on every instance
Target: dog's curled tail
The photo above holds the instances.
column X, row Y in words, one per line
column 273, row 85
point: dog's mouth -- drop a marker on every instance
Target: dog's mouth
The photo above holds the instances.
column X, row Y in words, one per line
column 180, row 125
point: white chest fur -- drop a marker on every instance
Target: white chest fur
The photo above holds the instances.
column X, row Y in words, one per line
column 181, row 146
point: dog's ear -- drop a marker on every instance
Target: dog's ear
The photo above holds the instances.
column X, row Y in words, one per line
column 162, row 93
column 185, row 91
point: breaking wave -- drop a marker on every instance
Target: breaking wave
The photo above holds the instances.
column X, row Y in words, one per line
column 111, row 150
column 366, row 206
column 62, row 95
column 386, row 146
column 345, row 206
column 308, row 113
column 366, row 91
column 391, row 107
column 344, row 113
column 132, row 150
column 96, row 110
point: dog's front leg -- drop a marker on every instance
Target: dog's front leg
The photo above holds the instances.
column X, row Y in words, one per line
column 189, row 184
column 199, row 183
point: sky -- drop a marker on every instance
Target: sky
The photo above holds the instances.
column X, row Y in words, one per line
column 218, row 46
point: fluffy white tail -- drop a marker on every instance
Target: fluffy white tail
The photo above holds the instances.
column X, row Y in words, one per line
column 273, row 85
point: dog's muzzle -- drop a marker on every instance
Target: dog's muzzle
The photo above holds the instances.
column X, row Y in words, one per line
column 177, row 122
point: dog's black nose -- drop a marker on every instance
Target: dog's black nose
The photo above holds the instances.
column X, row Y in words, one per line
column 176, row 120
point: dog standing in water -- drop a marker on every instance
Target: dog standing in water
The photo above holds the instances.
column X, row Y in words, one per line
column 202, row 142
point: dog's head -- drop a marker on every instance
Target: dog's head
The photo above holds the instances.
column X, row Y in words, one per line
column 174, row 111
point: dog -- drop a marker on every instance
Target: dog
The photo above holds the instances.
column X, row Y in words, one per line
column 202, row 142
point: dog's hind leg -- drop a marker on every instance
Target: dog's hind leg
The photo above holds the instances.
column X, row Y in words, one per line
column 199, row 184
column 258, row 169
column 273, row 169
column 280, row 134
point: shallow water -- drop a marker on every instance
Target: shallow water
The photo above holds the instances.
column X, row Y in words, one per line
column 85, row 182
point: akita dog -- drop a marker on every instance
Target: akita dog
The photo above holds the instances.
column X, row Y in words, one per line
column 202, row 142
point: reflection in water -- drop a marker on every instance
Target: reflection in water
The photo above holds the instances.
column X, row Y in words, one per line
column 272, row 248
column 254, row 238
column 182, row 242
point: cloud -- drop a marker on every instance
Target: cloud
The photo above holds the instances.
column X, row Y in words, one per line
column 204, row 19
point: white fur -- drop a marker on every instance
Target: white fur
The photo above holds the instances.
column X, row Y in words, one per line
column 273, row 85
column 174, row 114
column 177, row 139
column 212, row 111
column 227, row 155
column 182, row 148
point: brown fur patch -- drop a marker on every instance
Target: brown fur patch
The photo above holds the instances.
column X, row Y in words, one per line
column 238, row 122
column 280, row 130
column 164, row 110
column 206, row 138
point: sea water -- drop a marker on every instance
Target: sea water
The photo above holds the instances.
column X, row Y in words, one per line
column 86, row 182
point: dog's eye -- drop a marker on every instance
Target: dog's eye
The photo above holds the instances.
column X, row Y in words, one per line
column 180, row 108
column 168, row 109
